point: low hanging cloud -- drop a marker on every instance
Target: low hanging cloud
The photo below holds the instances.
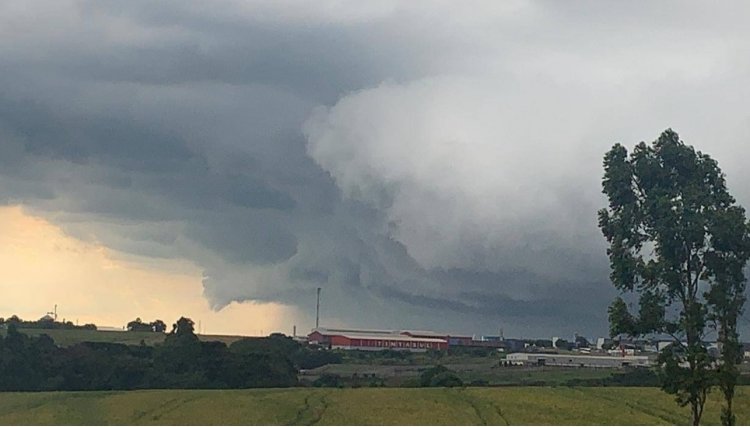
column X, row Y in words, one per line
column 428, row 165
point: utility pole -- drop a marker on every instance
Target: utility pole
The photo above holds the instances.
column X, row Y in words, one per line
column 317, row 311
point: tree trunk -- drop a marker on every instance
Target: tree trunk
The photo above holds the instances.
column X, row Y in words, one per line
column 727, row 416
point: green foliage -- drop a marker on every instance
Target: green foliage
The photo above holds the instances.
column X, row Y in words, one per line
column 673, row 230
column 726, row 300
column 426, row 378
column 36, row 364
column 138, row 325
column 44, row 324
column 620, row 319
column 283, row 346
column 439, row 376
column 446, row 379
column 542, row 343
column 328, row 380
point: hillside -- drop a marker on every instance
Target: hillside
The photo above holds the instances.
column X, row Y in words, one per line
column 66, row 337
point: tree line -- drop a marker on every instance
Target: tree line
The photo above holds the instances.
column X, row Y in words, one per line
column 43, row 324
column 182, row 361
column 138, row 325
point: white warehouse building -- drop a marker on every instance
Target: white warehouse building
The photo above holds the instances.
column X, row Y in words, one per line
column 574, row 360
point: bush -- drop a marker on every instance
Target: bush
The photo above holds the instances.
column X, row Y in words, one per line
column 439, row 376
column 426, row 378
column 328, row 380
column 446, row 379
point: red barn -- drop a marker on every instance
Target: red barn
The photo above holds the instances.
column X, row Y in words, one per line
column 373, row 340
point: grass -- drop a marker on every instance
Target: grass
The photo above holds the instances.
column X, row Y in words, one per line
column 364, row 406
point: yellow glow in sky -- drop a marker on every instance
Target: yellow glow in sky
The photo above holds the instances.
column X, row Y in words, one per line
column 41, row 267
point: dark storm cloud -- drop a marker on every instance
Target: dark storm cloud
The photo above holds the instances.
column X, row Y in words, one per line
column 449, row 180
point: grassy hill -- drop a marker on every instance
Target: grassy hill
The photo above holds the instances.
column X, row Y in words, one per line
column 66, row 337
column 470, row 406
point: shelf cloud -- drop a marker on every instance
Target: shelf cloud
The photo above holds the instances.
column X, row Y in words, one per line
column 428, row 164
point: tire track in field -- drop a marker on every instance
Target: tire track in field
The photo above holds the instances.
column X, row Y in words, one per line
column 500, row 413
column 315, row 405
column 474, row 406
column 477, row 402
column 179, row 404
column 302, row 411
column 319, row 414
column 55, row 398
column 167, row 407
column 36, row 404
column 645, row 410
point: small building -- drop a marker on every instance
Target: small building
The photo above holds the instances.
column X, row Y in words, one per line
column 574, row 360
column 373, row 340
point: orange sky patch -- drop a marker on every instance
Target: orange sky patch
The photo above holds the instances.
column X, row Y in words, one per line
column 41, row 267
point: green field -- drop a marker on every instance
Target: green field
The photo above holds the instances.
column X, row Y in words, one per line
column 370, row 406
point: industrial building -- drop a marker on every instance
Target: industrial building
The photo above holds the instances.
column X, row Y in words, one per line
column 374, row 340
column 574, row 360
column 452, row 339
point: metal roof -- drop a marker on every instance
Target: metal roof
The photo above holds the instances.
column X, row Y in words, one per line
column 339, row 331
column 392, row 336
column 577, row 356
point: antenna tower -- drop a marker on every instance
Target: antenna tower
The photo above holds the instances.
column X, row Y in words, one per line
column 317, row 311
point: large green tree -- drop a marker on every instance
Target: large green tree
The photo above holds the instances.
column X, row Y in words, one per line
column 678, row 240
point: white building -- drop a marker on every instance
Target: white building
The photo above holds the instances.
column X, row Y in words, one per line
column 602, row 342
column 574, row 360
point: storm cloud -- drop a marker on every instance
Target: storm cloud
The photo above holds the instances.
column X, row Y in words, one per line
column 429, row 165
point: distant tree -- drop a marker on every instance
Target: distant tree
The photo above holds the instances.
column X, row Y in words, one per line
column 183, row 327
column 158, row 326
column 446, row 379
column 582, row 342
column 137, row 325
column 328, row 380
column 439, row 376
column 563, row 344
column 675, row 237
column 543, row 343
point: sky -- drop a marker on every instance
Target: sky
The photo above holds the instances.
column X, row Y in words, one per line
column 429, row 165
